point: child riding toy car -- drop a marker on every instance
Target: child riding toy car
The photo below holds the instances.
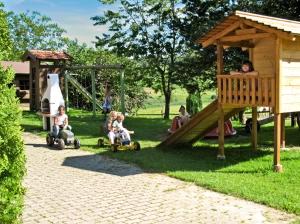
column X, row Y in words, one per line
column 119, row 137
column 61, row 133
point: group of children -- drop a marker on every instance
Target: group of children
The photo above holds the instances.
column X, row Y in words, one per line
column 114, row 128
column 113, row 125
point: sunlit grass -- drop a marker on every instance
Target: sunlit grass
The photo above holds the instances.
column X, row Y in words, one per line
column 245, row 173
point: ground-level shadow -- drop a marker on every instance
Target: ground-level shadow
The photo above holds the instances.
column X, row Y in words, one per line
column 101, row 164
column 187, row 158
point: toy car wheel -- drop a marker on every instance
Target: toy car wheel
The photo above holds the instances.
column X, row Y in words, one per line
column 49, row 140
column 114, row 147
column 76, row 143
column 136, row 146
column 100, row 142
column 248, row 127
column 61, row 144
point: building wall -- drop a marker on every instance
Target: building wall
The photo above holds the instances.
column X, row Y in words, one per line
column 22, row 85
column 290, row 76
column 263, row 58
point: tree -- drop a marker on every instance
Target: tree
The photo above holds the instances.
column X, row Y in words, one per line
column 280, row 8
column 84, row 55
column 148, row 32
column 12, row 158
column 5, row 42
column 31, row 30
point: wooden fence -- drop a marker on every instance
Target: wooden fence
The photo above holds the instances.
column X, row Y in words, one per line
column 246, row 90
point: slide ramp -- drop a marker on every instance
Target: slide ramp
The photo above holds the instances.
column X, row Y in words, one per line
column 83, row 91
column 199, row 125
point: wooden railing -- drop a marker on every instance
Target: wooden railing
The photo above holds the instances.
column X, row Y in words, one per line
column 246, row 90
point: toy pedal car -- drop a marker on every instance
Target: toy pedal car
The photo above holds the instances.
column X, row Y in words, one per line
column 64, row 138
column 120, row 145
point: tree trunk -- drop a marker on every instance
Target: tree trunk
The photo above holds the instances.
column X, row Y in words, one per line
column 167, row 105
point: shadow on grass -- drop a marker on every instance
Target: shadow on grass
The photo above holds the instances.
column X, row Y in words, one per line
column 101, row 164
column 187, row 159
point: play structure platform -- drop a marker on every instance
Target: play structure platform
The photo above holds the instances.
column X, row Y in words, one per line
column 273, row 46
column 199, row 125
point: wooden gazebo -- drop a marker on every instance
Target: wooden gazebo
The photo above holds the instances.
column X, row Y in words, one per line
column 274, row 49
column 43, row 62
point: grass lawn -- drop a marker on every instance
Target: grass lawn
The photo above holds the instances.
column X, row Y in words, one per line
column 244, row 173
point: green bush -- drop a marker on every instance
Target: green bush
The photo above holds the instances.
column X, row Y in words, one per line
column 12, row 158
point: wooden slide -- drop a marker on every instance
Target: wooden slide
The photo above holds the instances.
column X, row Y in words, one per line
column 200, row 124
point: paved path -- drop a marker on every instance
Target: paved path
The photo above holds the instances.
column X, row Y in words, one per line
column 73, row 186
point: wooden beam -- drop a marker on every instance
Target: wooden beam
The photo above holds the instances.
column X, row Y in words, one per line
column 246, row 37
column 277, row 140
column 93, row 93
column 221, row 153
column 254, row 128
column 221, row 34
column 238, row 44
column 96, row 67
column 245, row 31
column 268, row 29
column 220, row 63
column 66, row 92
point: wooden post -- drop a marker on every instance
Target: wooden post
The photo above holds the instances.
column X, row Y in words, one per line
column 220, row 66
column 122, row 93
column 282, row 139
column 254, row 128
column 66, row 92
column 221, row 153
column 93, row 93
column 277, row 140
column 220, row 63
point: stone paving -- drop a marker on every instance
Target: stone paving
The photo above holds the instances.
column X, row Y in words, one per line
column 73, row 186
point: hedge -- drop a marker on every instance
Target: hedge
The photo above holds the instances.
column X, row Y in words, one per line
column 12, row 157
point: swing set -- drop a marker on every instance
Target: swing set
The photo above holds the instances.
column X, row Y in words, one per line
column 69, row 77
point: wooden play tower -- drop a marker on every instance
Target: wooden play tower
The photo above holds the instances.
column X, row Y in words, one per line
column 274, row 49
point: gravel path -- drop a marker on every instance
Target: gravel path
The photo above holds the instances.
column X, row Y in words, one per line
column 73, row 186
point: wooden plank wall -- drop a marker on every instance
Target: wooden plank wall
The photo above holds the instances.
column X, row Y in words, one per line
column 263, row 56
column 290, row 76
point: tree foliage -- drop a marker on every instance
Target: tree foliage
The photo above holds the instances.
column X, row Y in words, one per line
column 84, row 55
column 32, row 30
column 5, row 42
column 147, row 31
column 12, row 159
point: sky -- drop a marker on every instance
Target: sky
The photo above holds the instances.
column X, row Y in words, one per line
column 72, row 15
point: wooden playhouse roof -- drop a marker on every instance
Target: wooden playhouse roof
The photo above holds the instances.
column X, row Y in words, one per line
column 284, row 28
column 46, row 55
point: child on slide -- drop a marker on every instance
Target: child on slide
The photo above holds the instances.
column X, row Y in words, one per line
column 179, row 120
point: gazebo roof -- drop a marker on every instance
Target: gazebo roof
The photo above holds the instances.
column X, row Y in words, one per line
column 46, row 55
column 284, row 28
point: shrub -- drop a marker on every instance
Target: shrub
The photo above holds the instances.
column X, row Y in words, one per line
column 12, row 158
